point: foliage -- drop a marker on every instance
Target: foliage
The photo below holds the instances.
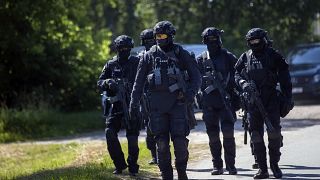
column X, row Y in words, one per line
column 32, row 124
column 52, row 51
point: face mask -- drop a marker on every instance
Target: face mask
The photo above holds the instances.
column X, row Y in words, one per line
column 163, row 40
column 124, row 53
column 148, row 43
column 213, row 47
column 256, row 45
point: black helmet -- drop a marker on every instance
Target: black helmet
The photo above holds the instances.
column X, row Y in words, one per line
column 164, row 27
column 257, row 39
column 146, row 34
column 256, row 33
column 123, row 41
column 147, row 38
column 211, row 32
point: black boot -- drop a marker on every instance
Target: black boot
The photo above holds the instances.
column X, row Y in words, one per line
column 119, row 170
column 153, row 161
column 182, row 175
column 261, row 174
column 232, row 170
column 255, row 165
column 277, row 173
column 217, row 171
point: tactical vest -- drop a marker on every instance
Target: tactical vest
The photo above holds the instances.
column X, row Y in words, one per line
column 209, row 65
column 163, row 80
column 260, row 69
column 165, row 71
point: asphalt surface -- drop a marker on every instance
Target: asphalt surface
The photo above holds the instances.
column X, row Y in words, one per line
column 300, row 154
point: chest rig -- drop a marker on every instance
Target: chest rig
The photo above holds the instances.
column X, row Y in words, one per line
column 214, row 72
column 259, row 68
column 166, row 74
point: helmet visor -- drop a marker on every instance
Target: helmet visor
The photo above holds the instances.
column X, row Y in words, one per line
column 161, row 36
column 254, row 41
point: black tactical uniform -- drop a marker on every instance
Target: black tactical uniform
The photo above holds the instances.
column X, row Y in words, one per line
column 218, row 63
column 264, row 67
column 164, row 65
column 147, row 40
column 122, row 68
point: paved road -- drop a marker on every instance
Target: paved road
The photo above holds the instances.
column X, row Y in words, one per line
column 301, row 152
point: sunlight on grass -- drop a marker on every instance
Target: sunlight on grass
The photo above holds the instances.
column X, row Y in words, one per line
column 66, row 161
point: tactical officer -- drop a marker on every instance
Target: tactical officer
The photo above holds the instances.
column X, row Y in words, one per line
column 164, row 66
column 147, row 40
column 117, row 79
column 258, row 71
column 217, row 69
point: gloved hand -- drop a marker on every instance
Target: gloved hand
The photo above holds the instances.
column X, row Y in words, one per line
column 247, row 87
column 111, row 85
column 286, row 107
column 134, row 112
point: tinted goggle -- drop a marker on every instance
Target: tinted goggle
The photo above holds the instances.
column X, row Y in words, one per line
column 161, row 36
column 212, row 38
column 149, row 41
column 254, row 41
column 124, row 48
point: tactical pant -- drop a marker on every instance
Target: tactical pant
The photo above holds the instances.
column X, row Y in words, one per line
column 256, row 125
column 151, row 143
column 113, row 124
column 174, row 125
column 213, row 117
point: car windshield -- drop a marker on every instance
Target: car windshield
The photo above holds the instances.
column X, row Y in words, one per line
column 305, row 55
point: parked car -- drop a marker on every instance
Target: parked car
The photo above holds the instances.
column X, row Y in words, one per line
column 304, row 61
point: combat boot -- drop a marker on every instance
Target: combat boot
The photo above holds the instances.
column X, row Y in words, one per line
column 153, row 161
column 232, row 170
column 182, row 175
column 119, row 170
column 261, row 174
column 217, row 171
column 255, row 165
column 277, row 173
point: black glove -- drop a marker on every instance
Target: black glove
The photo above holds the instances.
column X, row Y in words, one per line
column 111, row 85
column 286, row 105
column 247, row 87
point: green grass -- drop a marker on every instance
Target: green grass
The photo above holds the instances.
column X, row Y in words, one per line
column 34, row 124
column 66, row 161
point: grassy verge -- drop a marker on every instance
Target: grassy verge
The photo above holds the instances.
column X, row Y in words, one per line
column 43, row 123
column 66, row 161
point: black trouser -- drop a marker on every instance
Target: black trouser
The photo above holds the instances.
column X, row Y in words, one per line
column 256, row 125
column 171, row 124
column 113, row 123
column 151, row 144
column 213, row 117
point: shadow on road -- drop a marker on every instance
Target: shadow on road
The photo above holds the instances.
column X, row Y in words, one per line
column 300, row 174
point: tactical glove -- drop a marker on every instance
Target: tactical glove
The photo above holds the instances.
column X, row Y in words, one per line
column 111, row 85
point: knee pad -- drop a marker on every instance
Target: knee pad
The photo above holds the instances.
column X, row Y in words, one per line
column 111, row 134
column 132, row 140
column 214, row 137
column 162, row 145
column 274, row 135
column 256, row 137
column 180, row 143
column 228, row 134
